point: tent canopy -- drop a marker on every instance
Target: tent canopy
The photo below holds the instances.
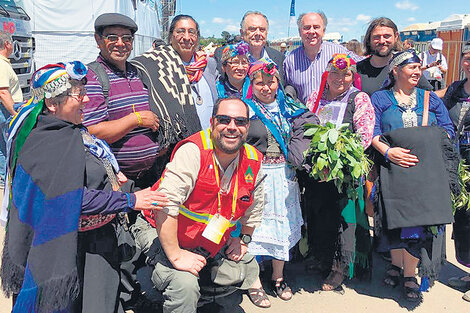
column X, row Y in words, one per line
column 63, row 29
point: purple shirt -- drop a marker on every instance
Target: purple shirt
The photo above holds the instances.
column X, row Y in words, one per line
column 137, row 150
column 305, row 75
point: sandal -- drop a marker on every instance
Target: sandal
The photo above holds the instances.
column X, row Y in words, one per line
column 334, row 280
column 392, row 276
column 460, row 283
column 412, row 294
column 280, row 289
column 466, row 296
column 257, row 296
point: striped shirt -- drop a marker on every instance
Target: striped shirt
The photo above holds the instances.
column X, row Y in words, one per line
column 137, row 150
column 305, row 75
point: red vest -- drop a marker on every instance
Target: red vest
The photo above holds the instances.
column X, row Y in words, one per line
column 202, row 204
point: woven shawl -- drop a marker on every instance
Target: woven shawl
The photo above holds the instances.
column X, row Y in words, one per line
column 39, row 256
column 170, row 97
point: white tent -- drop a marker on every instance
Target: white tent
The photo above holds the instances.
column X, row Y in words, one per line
column 63, row 29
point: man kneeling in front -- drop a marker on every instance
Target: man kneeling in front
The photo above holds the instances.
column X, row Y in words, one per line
column 214, row 185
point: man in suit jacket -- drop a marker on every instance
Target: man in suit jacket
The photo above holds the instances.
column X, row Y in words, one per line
column 254, row 31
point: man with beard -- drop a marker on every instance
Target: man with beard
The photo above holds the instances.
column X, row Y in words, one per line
column 380, row 41
column 213, row 184
column 304, row 66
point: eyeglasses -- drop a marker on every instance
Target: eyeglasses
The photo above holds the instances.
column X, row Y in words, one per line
column 238, row 64
column 115, row 38
column 225, row 120
column 78, row 96
column 181, row 31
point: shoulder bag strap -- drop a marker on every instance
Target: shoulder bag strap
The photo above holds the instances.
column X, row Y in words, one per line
column 102, row 78
column 425, row 109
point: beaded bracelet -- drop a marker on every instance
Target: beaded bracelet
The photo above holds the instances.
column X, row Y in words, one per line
column 386, row 155
column 139, row 119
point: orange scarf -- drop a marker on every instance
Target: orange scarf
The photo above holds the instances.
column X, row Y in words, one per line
column 195, row 69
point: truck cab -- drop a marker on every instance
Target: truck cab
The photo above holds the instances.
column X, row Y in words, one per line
column 16, row 21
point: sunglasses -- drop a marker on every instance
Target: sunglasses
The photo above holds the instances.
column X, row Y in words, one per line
column 115, row 38
column 225, row 120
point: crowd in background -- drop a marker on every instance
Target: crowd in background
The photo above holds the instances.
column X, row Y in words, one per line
column 121, row 165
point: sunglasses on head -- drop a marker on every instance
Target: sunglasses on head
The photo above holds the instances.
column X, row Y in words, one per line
column 225, row 120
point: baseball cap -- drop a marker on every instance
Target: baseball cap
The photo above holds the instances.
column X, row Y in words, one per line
column 437, row 43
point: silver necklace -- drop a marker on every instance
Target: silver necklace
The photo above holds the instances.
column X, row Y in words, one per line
column 409, row 117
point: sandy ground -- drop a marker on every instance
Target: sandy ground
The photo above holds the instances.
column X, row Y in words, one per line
column 360, row 296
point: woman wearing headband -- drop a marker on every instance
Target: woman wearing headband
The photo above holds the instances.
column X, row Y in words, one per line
column 64, row 191
column 235, row 65
column 270, row 130
column 414, row 199
column 457, row 101
column 337, row 250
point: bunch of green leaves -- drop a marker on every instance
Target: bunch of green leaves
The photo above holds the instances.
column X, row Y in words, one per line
column 337, row 154
column 462, row 200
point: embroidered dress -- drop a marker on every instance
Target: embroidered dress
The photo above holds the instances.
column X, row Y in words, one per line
column 282, row 218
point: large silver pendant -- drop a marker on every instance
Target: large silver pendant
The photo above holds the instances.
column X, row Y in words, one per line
column 409, row 118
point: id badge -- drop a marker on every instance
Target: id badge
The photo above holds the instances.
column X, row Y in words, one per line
column 216, row 228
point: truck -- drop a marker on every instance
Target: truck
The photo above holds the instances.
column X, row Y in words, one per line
column 15, row 20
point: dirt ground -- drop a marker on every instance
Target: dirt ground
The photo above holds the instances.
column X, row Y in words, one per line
column 360, row 296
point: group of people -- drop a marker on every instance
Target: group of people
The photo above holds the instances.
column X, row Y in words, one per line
column 202, row 161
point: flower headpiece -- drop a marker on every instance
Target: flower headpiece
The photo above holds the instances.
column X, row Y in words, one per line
column 266, row 67
column 231, row 51
column 53, row 79
column 342, row 62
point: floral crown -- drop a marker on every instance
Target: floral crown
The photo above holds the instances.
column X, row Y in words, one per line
column 342, row 62
column 266, row 67
column 231, row 51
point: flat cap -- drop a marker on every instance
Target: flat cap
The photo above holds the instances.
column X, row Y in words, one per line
column 115, row 19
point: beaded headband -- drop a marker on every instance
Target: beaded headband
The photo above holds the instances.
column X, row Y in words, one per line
column 54, row 79
column 403, row 58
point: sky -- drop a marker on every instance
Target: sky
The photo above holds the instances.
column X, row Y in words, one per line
column 215, row 16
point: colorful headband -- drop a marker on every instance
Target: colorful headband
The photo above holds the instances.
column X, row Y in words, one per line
column 231, row 51
column 266, row 67
column 342, row 62
column 53, row 79
column 403, row 58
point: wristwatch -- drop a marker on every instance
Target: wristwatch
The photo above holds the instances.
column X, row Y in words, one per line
column 246, row 239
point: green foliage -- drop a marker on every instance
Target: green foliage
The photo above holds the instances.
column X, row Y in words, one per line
column 462, row 201
column 337, row 154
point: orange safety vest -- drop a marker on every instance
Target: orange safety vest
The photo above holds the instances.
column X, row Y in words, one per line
column 202, row 204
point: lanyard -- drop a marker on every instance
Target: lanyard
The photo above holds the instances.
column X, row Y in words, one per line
column 235, row 191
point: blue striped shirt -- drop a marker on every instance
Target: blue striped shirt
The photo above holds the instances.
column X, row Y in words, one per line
column 305, row 75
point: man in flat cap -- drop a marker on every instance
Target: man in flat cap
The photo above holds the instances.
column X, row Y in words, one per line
column 119, row 111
